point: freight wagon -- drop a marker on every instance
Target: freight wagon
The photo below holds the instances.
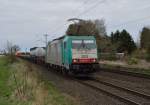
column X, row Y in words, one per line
column 37, row 54
column 76, row 54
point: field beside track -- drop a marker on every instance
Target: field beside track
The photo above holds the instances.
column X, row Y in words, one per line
column 20, row 84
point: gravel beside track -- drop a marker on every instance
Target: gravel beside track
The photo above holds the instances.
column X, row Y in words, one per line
column 128, row 98
column 141, row 84
column 130, row 95
column 137, row 86
column 125, row 86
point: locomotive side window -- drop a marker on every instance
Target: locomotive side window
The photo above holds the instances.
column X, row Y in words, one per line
column 76, row 44
column 89, row 44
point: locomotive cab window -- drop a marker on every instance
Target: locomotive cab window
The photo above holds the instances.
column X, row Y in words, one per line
column 83, row 44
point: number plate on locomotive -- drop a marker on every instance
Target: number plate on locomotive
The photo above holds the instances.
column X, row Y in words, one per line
column 84, row 56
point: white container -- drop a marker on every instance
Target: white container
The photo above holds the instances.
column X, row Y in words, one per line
column 37, row 51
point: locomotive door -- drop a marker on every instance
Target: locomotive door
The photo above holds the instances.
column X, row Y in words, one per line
column 64, row 53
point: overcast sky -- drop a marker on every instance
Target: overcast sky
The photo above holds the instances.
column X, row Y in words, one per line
column 24, row 22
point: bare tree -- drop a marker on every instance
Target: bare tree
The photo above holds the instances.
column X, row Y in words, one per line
column 11, row 49
column 8, row 47
column 101, row 27
column 15, row 48
column 86, row 27
column 145, row 38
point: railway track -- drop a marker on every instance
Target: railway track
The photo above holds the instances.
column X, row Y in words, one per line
column 125, row 72
column 131, row 97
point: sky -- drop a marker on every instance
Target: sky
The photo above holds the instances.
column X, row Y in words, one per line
column 24, row 22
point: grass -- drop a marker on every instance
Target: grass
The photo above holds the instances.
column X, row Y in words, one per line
column 5, row 91
column 56, row 97
column 21, row 84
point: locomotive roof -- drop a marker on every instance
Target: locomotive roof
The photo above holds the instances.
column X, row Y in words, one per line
column 59, row 38
column 33, row 48
column 36, row 47
column 73, row 36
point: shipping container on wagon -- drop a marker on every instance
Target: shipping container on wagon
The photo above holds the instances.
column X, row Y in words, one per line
column 54, row 52
column 37, row 51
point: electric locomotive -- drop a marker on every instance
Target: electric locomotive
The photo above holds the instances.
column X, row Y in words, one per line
column 76, row 54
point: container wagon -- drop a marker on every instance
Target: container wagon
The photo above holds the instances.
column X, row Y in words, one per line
column 76, row 54
column 37, row 54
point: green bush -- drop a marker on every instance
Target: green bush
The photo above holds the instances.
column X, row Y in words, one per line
column 11, row 58
column 132, row 61
column 148, row 58
column 107, row 56
column 112, row 57
column 148, row 54
column 139, row 54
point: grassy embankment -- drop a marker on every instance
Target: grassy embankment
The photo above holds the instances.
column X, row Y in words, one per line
column 20, row 84
column 5, row 91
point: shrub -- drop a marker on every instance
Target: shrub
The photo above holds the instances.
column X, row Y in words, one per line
column 11, row 58
column 107, row 56
column 148, row 54
column 112, row 57
column 132, row 61
column 139, row 54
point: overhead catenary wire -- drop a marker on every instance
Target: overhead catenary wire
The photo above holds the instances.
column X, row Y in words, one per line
column 61, row 26
column 91, row 8
column 125, row 23
column 82, row 13
column 86, row 1
column 94, row 6
column 130, row 22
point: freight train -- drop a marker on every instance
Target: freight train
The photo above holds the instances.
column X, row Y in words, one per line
column 75, row 54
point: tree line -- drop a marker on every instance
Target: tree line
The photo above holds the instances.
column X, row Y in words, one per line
column 119, row 41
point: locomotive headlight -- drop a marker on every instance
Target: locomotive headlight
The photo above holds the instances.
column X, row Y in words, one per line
column 75, row 60
column 94, row 60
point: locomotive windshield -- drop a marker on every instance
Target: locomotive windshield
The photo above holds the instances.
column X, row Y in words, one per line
column 83, row 44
